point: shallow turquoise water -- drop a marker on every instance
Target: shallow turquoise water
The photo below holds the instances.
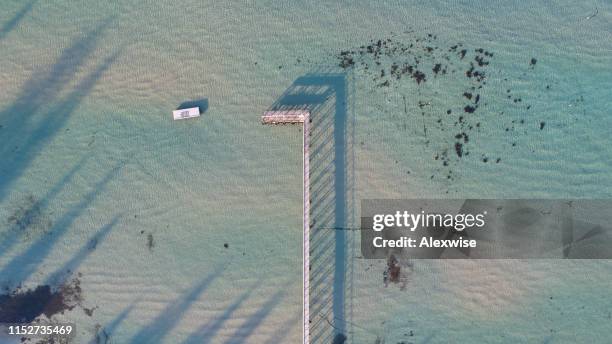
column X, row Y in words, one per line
column 87, row 142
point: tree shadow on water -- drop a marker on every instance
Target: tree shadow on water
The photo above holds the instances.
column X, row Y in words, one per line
column 16, row 19
column 39, row 113
column 250, row 325
column 31, row 121
column 30, row 214
column 22, row 266
column 104, row 333
column 208, row 331
column 158, row 329
column 56, row 294
column 58, row 277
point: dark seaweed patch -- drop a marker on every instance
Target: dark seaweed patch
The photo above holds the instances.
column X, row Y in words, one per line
column 469, row 109
column 29, row 218
column 481, row 61
column 418, row 76
column 463, row 136
column 23, row 306
column 396, row 61
column 150, row 241
column 459, row 149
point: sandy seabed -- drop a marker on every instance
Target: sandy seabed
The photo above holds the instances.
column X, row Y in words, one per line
column 190, row 231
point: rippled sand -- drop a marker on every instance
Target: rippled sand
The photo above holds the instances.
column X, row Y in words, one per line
column 98, row 180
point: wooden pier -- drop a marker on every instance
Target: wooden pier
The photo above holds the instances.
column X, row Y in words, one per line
column 285, row 117
column 295, row 117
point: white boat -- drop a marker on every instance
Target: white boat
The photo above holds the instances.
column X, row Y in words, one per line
column 186, row 113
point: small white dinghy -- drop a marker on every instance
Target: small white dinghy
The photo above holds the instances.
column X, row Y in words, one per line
column 186, row 113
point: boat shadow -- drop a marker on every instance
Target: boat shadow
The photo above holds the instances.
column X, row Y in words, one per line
column 199, row 103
